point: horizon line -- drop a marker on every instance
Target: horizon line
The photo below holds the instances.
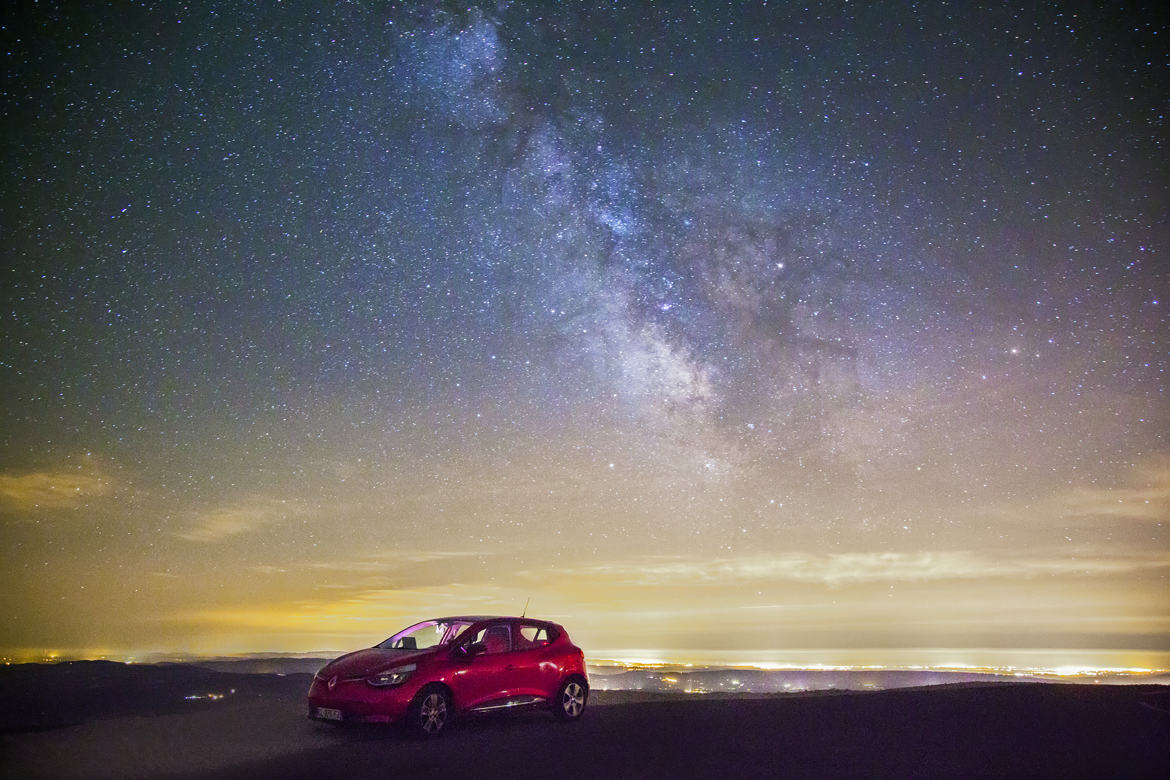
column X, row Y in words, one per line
column 642, row 659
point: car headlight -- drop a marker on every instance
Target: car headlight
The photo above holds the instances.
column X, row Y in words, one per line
column 392, row 677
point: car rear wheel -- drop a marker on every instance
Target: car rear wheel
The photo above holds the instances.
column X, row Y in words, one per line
column 571, row 699
column 430, row 712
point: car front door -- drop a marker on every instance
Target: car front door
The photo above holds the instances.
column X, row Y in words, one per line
column 489, row 674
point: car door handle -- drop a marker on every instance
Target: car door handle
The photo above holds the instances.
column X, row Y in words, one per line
column 509, row 668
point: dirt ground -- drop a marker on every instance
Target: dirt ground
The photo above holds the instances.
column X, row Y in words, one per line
column 1044, row 730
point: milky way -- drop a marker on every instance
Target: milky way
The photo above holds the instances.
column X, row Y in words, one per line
column 711, row 326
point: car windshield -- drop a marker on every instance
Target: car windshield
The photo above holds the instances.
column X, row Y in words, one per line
column 425, row 635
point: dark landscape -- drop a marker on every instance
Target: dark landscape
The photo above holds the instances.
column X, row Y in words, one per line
column 102, row 719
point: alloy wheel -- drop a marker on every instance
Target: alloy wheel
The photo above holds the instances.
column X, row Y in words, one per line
column 433, row 713
column 573, row 699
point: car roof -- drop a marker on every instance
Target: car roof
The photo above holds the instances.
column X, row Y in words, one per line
column 485, row 618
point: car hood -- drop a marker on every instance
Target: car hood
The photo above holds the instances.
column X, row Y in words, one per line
column 371, row 661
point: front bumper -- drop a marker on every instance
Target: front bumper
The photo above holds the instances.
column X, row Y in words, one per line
column 335, row 715
column 356, row 702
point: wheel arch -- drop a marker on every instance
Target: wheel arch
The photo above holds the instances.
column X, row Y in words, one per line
column 436, row 685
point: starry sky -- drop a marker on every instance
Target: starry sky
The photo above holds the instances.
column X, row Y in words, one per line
column 712, row 328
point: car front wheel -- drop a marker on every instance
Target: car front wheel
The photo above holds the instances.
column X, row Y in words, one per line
column 430, row 712
column 571, row 699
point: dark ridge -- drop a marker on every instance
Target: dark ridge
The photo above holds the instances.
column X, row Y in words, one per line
column 46, row 696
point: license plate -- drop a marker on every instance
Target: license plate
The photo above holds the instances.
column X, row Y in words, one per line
column 324, row 713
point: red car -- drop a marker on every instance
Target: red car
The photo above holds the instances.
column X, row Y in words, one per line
column 424, row 675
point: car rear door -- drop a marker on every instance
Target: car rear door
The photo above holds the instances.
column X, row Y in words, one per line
column 534, row 670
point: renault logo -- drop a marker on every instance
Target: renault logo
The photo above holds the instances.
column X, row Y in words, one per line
column 332, row 682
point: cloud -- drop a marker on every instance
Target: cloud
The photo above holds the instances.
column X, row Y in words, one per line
column 407, row 569
column 1146, row 499
column 244, row 517
column 841, row 569
column 391, row 558
column 345, row 620
column 1139, row 498
column 44, row 490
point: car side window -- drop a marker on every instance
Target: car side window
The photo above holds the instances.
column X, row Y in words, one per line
column 495, row 639
column 532, row 636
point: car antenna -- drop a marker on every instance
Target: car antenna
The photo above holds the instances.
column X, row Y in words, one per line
column 525, row 612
